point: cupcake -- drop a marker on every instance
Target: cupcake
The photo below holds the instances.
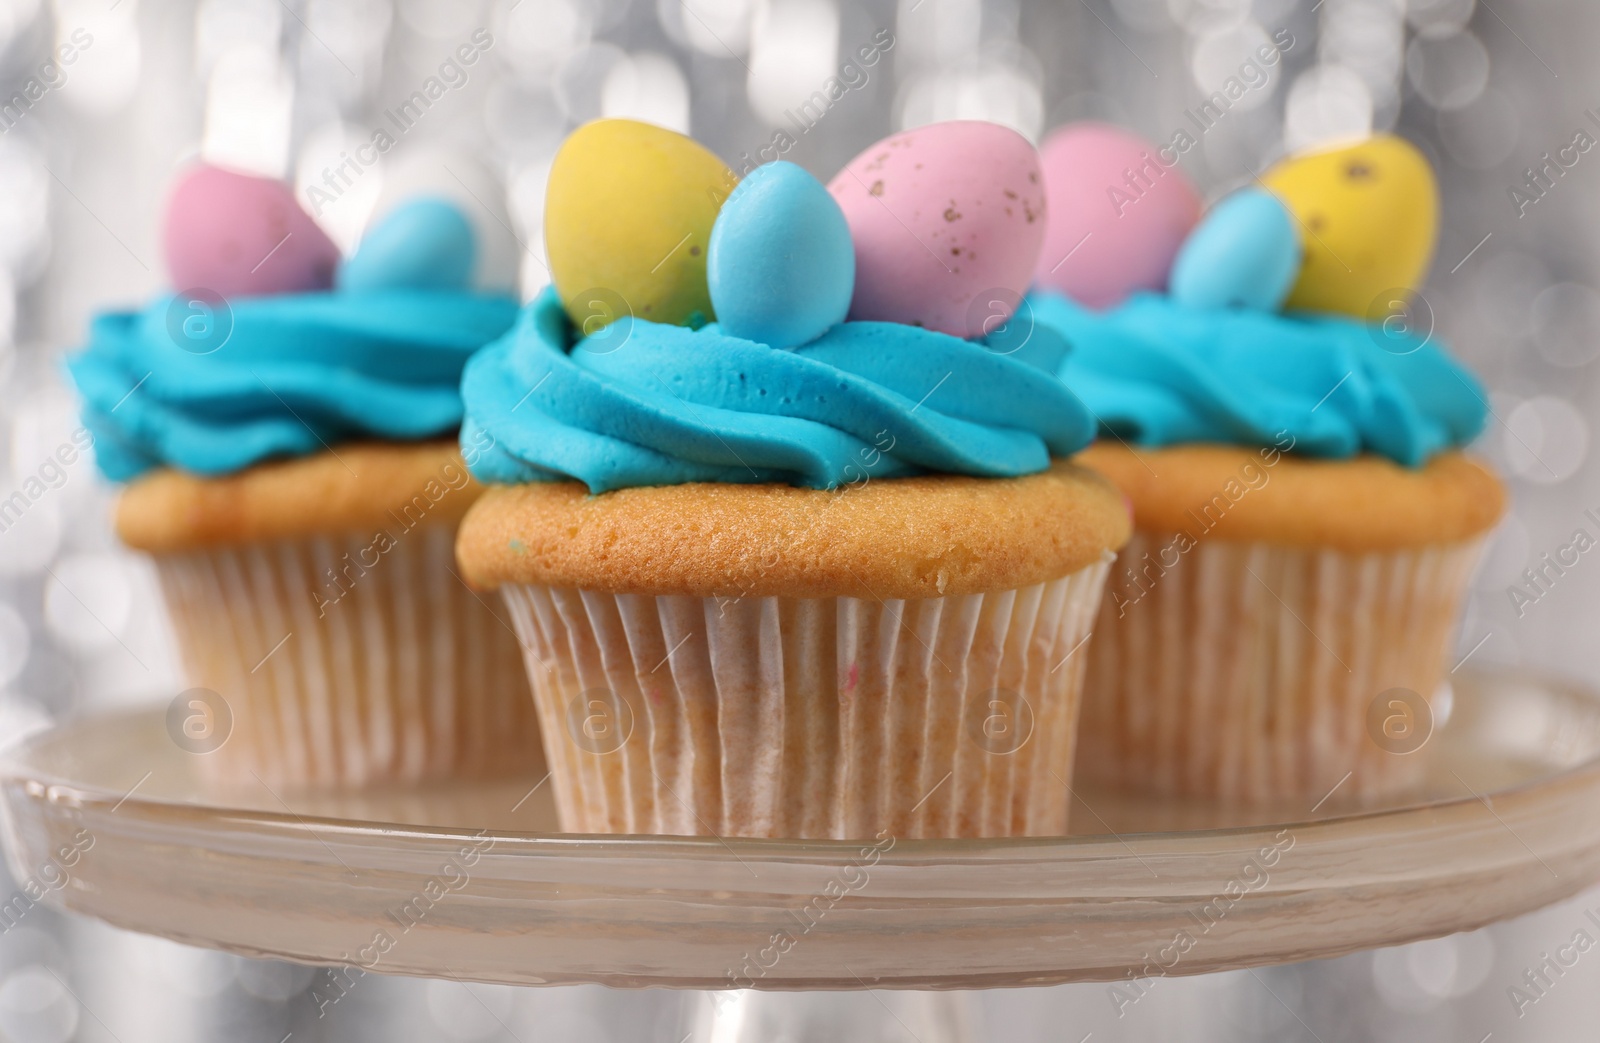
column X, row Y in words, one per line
column 1289, row 433
column 292, row 467
column 817, row 568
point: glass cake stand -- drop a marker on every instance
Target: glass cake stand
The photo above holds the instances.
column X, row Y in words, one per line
column 473, row 882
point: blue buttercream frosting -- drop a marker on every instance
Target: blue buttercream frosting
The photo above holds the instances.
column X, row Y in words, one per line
column 1157, row 373
column 642, row 403
column 296, row 374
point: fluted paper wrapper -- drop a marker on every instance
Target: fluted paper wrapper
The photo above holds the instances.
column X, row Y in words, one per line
column 781, row 717
column 339, row 674
column 1248, row 672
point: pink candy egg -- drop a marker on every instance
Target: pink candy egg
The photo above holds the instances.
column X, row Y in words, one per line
column 243, row 236
column 947, row 221
column 1119, row 210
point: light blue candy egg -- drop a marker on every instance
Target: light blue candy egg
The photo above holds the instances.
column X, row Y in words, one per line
column 780, row 263
column 1245, row 252
column 426, row 244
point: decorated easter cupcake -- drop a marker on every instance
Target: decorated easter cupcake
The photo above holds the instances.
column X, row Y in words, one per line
column 1289, row 433
column 816, row 568
column 293, row 469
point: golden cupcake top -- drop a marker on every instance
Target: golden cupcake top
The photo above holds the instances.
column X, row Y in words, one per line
column 1369, row 503
column 917, row 537
column 358, row 488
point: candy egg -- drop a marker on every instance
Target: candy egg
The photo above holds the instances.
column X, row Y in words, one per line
column 427, row 244
column 240, row 235
column 628, row 213
column 1370, row 215
column 1245, row 252
column 1119, row 210
column 476, row 192
column 942, row 216
column 781, row 266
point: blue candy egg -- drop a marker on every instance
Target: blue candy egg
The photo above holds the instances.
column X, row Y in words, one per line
column 1245, row 252
column 426, row 244
column 780, row 263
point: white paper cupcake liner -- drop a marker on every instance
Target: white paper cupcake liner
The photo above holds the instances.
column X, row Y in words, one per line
column 344, row 665
column 1249, row 672
column 781, row 717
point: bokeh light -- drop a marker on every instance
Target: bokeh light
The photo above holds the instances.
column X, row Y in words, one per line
column 794, row 49
column 535, row 36
column 37, row 1007
column 1001, row 85
column 1327, row 104
column 1546, row 439
column 647, row 86
column 249, row 105
column 1449, row 72
column 1233, row 51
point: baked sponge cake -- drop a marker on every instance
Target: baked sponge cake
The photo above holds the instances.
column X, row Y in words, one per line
column 291, row 465
column 319, row 597
column 1261, row 611
column 1291, row 435
column 817, row 568
column 900, row 539
column 775, row 661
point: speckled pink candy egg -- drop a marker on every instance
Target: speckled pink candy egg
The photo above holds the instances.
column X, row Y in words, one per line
column 243, row 236
column 1119, row 210
column 947, row 221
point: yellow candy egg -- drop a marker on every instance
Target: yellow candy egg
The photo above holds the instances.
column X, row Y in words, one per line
column 627, row 220
column 1369, row 216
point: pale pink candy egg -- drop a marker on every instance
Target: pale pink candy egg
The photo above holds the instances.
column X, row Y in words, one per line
column 947, row 221
column 243, row 236
column 1119, row 210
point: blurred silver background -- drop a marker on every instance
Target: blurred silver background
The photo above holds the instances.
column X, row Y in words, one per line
column 284, row 87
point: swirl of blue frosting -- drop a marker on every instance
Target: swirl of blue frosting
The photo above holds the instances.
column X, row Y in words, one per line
column 297, row 373
column 1158, row 373
column 649, row 404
